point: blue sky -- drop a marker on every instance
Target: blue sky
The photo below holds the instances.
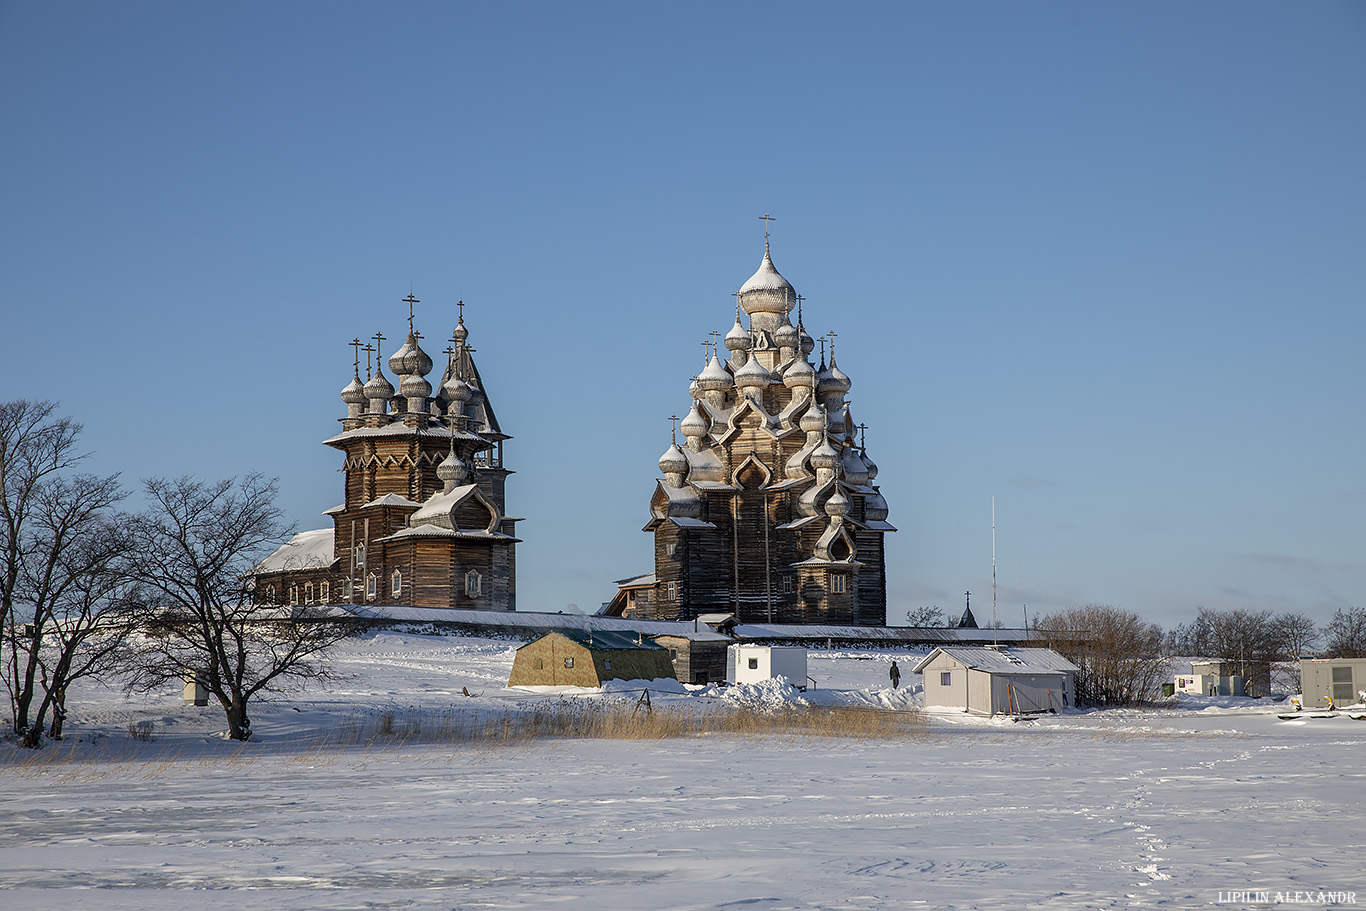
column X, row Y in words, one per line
column 1103, row 262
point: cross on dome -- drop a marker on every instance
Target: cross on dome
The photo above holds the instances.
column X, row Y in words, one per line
column 410, row 300
column 767, row 220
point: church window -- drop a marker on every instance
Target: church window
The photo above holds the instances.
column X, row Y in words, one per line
column 785, row 583
column 671, row 548
column 270, row 594
column 324, row 591
column 396, row 585
column 569, row 662
column 308, row 592
column 474, row 584
column 371, row 585
column 673, row 591
column 294, row 594
column 839, row 583
column 360, row 556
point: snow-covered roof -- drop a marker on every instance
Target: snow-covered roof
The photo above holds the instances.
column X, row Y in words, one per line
column 306, row 550
column 801, row 633
column 518, row 620
column 438, row 531
column 608, row 640
column 391, row 499
column 335, row 510
column 637, row 581
column 440, row 506
column 1003, row 660
column 400, row 429
column 685, row 522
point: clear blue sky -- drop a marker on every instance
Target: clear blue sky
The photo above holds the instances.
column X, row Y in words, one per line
column 1104, row 262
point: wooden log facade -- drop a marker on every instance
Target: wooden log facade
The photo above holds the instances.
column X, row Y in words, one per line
column 423, row 522
column 768, row 510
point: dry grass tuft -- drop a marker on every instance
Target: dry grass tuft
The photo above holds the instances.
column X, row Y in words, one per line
column 617, row 721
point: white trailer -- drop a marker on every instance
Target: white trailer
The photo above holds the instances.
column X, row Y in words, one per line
column 753, row 663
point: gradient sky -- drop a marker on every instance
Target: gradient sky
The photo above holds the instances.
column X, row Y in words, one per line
column 1103, row 262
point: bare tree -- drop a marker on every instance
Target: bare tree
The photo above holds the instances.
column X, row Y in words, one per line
column 71, row 553
column 1119, row 655
column 926, row 616
column 1346, row 634
column 194, row 549
column 34, row 446
column 60, row 552
column 1295, row 635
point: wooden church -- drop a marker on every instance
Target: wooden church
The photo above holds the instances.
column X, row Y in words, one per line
column 769, row 509
column 424, row 520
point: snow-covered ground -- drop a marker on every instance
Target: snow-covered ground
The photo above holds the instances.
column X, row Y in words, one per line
column 1174, row 808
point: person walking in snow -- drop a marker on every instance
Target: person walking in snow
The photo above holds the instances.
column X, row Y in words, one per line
column 895, row 674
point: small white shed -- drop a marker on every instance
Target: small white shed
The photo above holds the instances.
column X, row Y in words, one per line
column 994, row 680
column 753, row 663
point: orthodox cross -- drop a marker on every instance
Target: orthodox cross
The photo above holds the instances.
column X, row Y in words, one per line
column 410, row 300
column 799, row 309
column 461, row 305
column 736, row 295
column 378, row 337
column 968, row 596
column 863, row 436
column 832, row 333
column 767, row 220
column 822, row 351
column 368, row 350
column 714, row 336
column 706, row 353
column 673, row 428
column 355, row 345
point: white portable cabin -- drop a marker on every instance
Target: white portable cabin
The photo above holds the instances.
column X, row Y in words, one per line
column 986, row 680
column 1343, row 679
column 754, row 663
column 1209, row 685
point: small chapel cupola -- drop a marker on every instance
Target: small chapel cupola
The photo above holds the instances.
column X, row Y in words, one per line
column 769, row 508
column 424, row 487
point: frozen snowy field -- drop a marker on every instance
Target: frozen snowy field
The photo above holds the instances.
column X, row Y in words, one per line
column 1100, row 810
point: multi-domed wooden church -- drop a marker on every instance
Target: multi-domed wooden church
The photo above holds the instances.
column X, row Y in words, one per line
column 768, row 510
column 423, row 522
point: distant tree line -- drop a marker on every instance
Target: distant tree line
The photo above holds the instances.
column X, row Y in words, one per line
column 1124, row 660
column 88, row 590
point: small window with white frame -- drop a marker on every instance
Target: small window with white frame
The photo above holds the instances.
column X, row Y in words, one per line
column 360, row 556
column 672, row 591
column 396, row 584
column 308, row 592
column 474, row 584
column 371, row 585
column 324, row 591
column 839, row 583
column 294, row 594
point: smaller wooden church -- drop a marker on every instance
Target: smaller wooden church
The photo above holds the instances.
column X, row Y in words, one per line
column 579, row 657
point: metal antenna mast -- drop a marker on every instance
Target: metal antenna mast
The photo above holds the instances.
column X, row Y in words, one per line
column 994, row 624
